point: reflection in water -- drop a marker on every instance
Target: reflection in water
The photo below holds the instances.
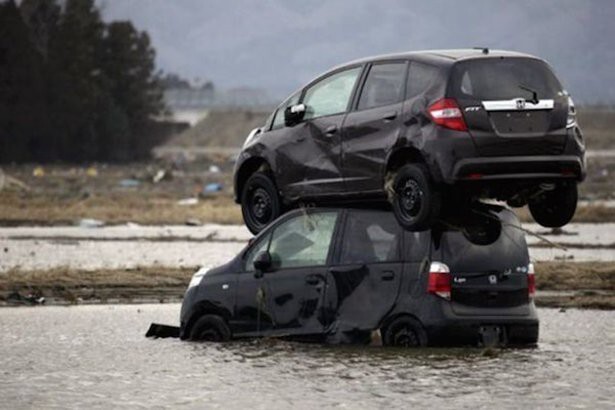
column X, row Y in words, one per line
column 96, row 356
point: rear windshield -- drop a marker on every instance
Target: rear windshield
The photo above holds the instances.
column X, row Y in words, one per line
column 503, row 79
column 464, row 254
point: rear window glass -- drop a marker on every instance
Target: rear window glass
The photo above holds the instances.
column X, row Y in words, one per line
column 421, row 78
column 384, row 85
column 503, row 79
column 467, row 252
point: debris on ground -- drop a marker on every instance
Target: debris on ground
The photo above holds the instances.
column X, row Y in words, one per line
column 30, row 299
column 214, row 169
column 193, row 222
column 90, row 223
column 159, row 176
column 188, row 201
column 91, row 172
column 7, row 181
column 38, row 172
column 129, row 183
column 213, row 187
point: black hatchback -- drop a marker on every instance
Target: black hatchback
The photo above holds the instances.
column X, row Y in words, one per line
column 414, row 129
column 338, row 275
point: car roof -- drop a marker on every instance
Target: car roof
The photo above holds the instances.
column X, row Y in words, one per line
column 440, row 57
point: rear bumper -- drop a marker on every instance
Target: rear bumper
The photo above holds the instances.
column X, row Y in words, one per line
column 519, row 167
column 455, row 330
column 452, row 157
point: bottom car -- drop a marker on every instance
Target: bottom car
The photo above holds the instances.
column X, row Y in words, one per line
column 336, row 275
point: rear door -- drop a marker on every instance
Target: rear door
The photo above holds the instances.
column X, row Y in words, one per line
column 366, row 277
column 370, row 131
column 511, row 105
column 489, row 278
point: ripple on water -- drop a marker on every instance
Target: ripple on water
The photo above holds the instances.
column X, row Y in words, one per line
column 97, row 357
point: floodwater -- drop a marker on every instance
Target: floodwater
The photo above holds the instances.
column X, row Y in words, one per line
column 128, row 246
column 97, row 357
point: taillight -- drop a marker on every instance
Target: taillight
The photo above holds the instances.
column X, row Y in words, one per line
column 439, row 282
column 531, row 280
column 571, row 121
column 446, row 113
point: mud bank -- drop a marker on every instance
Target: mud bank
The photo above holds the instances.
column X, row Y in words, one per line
column 560, row 284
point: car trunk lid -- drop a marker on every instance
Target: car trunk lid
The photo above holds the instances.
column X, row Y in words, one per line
column 512, row 106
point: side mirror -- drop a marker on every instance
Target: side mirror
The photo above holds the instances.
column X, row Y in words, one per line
column 262, row 263
column 293, row 114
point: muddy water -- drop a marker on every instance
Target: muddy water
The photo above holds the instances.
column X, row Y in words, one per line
column 97, row 357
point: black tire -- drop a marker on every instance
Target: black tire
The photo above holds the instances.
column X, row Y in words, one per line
column 404, row 331
column 416, row 204
column 260, row 203
column 554, row 209
column 210, row 328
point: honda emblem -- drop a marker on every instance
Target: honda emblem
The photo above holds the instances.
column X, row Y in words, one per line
column 493, row 279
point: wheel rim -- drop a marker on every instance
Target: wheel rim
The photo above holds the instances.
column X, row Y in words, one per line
column 260, row 206
column 406, row 337
column 410, row 198
column 209, row 335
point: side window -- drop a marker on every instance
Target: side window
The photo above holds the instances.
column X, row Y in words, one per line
column 331, row 95
column 421, row 78
column 278, row 119
column 303, row 240
column 253, row 252
column 384, row 85
column 371, row 237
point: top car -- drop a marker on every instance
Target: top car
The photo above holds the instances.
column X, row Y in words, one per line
column 421, row 130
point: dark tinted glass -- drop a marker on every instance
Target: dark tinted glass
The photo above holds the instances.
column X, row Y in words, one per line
column 383, row 86
column 370, row 237
column 469, row 251
column 421, row 78
column 503, row 79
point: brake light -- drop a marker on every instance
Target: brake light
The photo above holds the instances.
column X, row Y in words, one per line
column 531, row 280
column 439, row 281
column 447, row 114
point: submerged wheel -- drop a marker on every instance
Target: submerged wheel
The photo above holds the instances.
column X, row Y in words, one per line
column 210, row 328
column 555, row 208
column 260, row 203
column 416, row 203
column 405, row 332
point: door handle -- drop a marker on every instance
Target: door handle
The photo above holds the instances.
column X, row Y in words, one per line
column 389, row 116
column 313, row 280
column 331, row 130
column 388, row 275
column 347, row 268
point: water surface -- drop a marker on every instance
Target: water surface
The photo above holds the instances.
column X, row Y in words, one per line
column 97, row 357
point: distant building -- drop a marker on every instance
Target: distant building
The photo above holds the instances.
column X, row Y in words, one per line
column 189, row 101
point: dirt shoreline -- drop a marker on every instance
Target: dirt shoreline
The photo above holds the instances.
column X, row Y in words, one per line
column 585, row 285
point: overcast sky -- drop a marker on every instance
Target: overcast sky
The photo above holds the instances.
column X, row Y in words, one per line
column 280, row 44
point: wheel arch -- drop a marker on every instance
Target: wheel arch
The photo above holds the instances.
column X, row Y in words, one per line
column 247, row 168
column 200, row 310
column 394, row 316
column 402, row 156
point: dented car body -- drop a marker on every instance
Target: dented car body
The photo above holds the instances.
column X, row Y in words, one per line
column 494, row 124
column 336, row 275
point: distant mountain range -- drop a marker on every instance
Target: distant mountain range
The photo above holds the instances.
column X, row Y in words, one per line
column 278, row 45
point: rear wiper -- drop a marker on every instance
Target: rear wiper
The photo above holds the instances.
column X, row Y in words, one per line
column 534, row 99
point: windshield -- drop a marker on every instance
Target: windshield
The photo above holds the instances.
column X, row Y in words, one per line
column 503, row 79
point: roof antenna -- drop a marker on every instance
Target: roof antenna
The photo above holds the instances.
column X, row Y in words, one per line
column 485, row 50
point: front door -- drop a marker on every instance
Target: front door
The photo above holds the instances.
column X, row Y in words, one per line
column 299, row 251
column 372, row 129
column 314, row 145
